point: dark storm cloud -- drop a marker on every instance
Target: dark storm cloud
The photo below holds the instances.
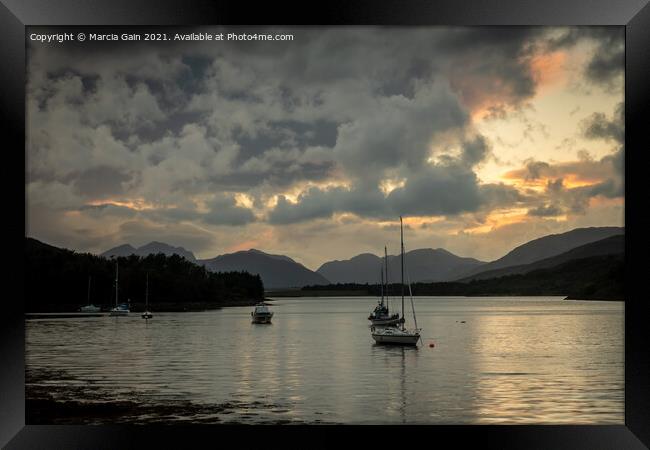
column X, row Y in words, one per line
column 265, row 99
column 598, row 126
column 608, row 61
column 435, row 190
column 167, row 122
column 439, row 190
column 475, row 151
column 100, row 182
column 224, row 211
column 545, row 211
column 492, row 65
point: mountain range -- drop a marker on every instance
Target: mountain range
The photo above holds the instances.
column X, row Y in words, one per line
column 425, row 264
column 148, row 249
column 422, row 265
column 546, row 247
column 276, row 271
column 613, row 245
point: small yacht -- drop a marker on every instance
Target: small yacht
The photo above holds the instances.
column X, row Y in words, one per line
column 262, row 313
column 399, row 334
column 147, row 314
column 121, row 309
column 381, row 316
column 89, row 308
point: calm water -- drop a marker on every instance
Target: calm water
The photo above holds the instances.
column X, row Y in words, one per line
column 514, row 360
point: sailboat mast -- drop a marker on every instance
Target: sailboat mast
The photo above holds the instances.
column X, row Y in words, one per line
column 146, row 295
column 381, row 272
column 401, row 240
column 89, row 277
column 386, row 266
column 117, row 269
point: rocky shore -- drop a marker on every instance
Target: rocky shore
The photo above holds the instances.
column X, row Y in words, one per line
column 70, row 402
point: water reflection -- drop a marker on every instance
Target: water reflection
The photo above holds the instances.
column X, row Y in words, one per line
column 511, row 361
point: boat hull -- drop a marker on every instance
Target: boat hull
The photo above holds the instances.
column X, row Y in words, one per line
column 265, row 318
column 119, row 312
column 386, row 322
column 147, row 315
column 397, row 339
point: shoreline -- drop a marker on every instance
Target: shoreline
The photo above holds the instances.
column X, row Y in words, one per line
column 57, row 404
column 138, row 308
column 334, row 293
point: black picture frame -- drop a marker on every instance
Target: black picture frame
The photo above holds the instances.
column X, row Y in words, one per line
column 634, row 15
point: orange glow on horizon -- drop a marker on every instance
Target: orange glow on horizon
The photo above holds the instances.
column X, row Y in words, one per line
column 498, row 219
column 136, row 204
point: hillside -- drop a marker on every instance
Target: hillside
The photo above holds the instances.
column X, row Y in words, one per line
column 276, row 271
column 546, row 247
column 614, row 245
column 423, row 265
column 592, row 278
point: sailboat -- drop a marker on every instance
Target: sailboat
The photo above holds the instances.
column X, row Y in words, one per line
column 381, row 316
column 123, row 308
column 399, row 334
column 89, row 307
column 147, row 314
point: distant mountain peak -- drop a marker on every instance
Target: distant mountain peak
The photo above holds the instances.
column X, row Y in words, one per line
column 276, row 271
column 548, row 246
column 152, row 247
column 424, row 264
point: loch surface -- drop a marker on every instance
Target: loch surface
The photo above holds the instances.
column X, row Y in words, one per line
column 491, row 360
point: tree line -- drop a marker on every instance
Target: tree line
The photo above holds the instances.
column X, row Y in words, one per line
column 592, row 278
column 58, row 279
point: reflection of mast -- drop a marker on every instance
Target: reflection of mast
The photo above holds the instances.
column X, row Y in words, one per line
column 403, row 385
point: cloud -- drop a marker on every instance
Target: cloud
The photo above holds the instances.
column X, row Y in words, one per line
column 607, row 63
column 545, row 211
column 100, row 182
column 224, row 211
column 433, row 190
column 475, row 151
column 598, row 126
column 170, row 135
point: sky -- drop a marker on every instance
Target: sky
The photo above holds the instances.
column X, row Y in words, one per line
column 483, row 138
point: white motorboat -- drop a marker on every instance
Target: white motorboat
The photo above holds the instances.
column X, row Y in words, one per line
column 399, row 335
column 262, row 313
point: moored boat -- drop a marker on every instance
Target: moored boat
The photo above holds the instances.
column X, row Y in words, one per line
column 89, row 308
column 262, row 313
column 399, row 334
column 381, row 315
column 121, row 309
column 147, row 314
